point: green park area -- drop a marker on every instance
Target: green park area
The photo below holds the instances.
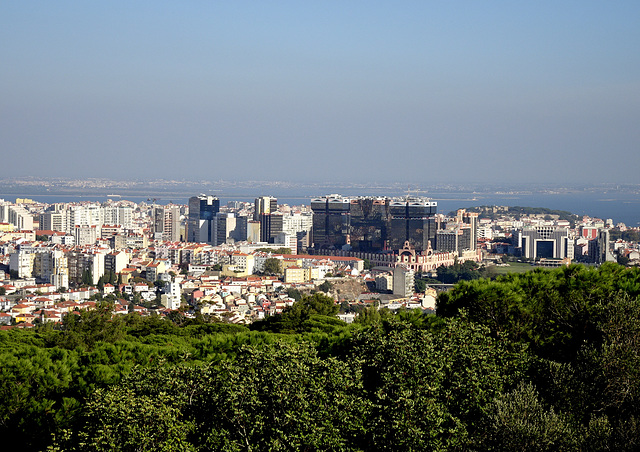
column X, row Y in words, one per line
column 513, row 267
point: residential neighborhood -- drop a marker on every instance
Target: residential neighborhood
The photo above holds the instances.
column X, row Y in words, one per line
column 247, row 261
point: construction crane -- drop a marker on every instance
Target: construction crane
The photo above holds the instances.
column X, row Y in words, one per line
column 415, row 192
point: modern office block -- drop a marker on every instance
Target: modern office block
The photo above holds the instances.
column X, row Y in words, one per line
column 372, row 223
column 201, row 223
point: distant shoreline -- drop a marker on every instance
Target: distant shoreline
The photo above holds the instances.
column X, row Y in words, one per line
column 620, row 207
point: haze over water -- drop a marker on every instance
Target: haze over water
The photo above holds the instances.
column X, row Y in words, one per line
column 621, row 206
column 449, row 92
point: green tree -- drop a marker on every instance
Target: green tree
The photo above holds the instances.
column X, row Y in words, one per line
column 519, row 421
column 294, row 293
column 318, row 303
column 310, row 403
column 312, row 311
column 123, row 420
column 466, row 271
column 429, row 387
column 87, row 277
column 622, row 259
column 110, row 278
column 583, row 325
column 85, row 328
column 555, row 311
column 159, row 285
column 325, row 286
column 282, row 250
column 272, row 266
column 369, row 316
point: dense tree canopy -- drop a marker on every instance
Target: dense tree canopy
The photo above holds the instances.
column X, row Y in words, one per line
column 315, row 311
column 281, row 250
column 583, row 325
column 546, row 360
column 272, row 266
column 396, row 387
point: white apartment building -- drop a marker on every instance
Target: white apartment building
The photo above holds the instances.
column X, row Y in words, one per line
column 67, row 239
column 19, row 217
column 297, row 222
column 287, row 241
column 79, row 262
column 171, row 299
column 242, row 261
column 166, row 223
column 86, row 234
column 225, row 227
column 51, row 266
column 116, row 262
column 4, row 211
column 21, row 262
column 384, row 282
column 122, row 215
column 53, row 221
column 485, row 232
column 96, row 215
column 544, row 242
column 403, row 281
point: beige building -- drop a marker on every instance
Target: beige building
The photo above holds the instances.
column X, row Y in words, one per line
column 242, row 261
column 116, row 262
column 384, row 282
column 296, row 275
column 155, row 269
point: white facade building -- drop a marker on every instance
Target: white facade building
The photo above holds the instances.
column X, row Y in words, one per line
column 171, row 299
column 86, row 234
column 20, row 217
column 403, row 281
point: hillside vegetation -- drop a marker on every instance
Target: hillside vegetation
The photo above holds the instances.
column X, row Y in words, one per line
column 545, row 360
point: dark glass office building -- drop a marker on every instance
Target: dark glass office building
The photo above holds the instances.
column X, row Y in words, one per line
column 201, row 223
column 372, row 224
column 413, row 221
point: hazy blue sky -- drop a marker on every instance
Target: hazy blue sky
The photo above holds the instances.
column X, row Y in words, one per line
column 406, row 90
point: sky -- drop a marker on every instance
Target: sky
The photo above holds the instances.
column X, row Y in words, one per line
column 331, row 91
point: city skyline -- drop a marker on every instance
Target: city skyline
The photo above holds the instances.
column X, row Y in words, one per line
column 410, row 91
